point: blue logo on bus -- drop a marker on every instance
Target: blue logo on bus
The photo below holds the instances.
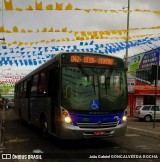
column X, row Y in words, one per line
column 94, row 104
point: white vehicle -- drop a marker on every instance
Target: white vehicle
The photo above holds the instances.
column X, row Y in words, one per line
column 146, row 112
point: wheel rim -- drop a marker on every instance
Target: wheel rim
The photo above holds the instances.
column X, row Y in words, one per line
column 148, row 118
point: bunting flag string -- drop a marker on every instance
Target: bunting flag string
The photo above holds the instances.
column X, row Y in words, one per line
column 39, row 55
column 9, row 5
column 38, row 50
column 11, row 77
column 16, row 29
column 76, row 38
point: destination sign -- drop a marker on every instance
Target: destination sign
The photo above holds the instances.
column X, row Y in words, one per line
column 91, row 60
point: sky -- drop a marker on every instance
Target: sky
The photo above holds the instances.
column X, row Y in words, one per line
column 26, row 37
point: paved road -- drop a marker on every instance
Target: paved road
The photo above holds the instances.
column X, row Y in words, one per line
column 23, row 139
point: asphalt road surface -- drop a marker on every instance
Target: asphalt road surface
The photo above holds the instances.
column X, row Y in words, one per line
column 24, row 139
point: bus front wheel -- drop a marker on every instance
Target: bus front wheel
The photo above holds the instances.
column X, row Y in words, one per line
column 44, row 127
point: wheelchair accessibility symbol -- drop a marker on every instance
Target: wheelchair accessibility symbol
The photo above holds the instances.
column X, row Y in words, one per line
column 94, row 104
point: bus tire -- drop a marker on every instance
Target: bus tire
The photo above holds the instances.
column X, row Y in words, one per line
column 44, row 127
column 148, row 118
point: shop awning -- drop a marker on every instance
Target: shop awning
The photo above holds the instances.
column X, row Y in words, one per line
column 146, row 90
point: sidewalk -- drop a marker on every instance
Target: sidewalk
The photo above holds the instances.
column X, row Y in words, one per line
column 143, row 128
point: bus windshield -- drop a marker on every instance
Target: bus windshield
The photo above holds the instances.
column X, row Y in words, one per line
column 93, row 88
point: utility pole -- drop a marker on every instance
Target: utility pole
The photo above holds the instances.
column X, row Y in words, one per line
column 127, row 37
column 128, row 14
column 156, row 87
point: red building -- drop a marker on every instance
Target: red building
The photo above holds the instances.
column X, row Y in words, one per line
column 143, row 94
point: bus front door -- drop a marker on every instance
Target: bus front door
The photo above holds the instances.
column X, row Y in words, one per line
column 53, row 90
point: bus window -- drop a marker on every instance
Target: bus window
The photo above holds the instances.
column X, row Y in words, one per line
column 28, row 90
column 34, row 87
column 16, row 91
column 42, row 89
column 21, row 90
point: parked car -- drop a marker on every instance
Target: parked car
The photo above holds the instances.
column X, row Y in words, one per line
column 146, row 112
column 10, row 104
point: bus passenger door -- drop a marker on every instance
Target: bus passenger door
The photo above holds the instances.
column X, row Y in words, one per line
column 53, row 91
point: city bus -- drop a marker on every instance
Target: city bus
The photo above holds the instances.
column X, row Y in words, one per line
column 75, row 96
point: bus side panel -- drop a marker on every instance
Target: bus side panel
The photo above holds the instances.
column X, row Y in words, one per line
column 21, row 108
column 49, row 114
column 17, row 106
column 38, row 106
column 24, row 109
column 33, row 106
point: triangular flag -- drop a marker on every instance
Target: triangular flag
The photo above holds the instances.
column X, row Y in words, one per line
column 15, row 29
column 75, row 33
column 49, row 7
column 69, row 7
column 57, row 30
column 64, row 29
column 95, row 33
column 83, row 33
column 20, row 43
column 119, row 32
column 78, row 8
column 101, row 33
column 29, row 8
column 23, row 31
column 87, row 10
column 44, row 29
column 29, row 31
column 67, row 39
column 113, row 31
column 38, row 5
column 2, row 29
column 8, row 5
column 51, row 30
column 31, row 43
column 107, row 32
column 59, row 6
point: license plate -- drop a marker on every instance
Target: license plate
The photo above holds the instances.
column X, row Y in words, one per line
column 99, row 133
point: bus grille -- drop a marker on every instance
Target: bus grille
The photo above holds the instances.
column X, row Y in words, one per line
column 97, row 125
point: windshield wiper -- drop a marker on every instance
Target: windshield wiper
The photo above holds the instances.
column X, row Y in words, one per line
column 84, row 72
column 108, row 77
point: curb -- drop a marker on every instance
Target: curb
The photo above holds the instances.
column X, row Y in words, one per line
column 143, row 132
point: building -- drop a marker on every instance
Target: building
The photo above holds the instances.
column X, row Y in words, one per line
column 141, row 82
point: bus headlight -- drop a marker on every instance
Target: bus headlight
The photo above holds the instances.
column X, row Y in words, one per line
column 67, row 120
column 65, row 116
column 124, row 118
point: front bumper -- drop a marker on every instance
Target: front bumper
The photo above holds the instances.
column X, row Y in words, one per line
column 74, row 132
